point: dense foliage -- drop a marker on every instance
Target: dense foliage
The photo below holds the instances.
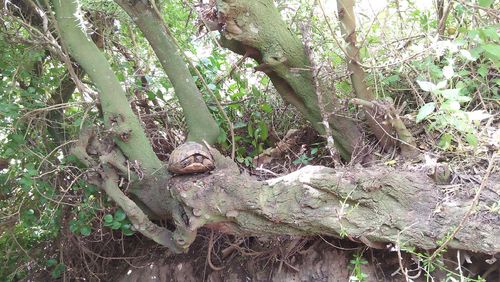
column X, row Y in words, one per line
column 441, row 70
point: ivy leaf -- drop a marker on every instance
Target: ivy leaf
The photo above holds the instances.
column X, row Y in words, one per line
column 120, row 215
column 425, row 111
column 116, row 225
column 108, row 218
column 85, row 230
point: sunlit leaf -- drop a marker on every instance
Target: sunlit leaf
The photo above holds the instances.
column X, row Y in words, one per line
column 467, row 55
column 471, row 139
column 478, row 115
column 493, row 50
column 448, row 72
column 425, row 111
column 426, row 85
column 450, row 106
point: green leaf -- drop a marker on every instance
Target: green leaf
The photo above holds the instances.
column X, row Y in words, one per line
column 448, row 72
column 239, row 124
column 85, row 230
column 467, row 55
column 116, row 225
column 58, row 271
column 266, row 108
column 450, row 94
column 471, row 139
column 482, row 71
column 264, row 132
column 108, row 218
column 426, row 85
column 425, row 111
column 493, row 50
column 454, row 95
column 478, row 115
column 445, row 141
column 491, row 33
column 485, row 3
column 126, row 229
column 222, row 137
column 450, row 106
column 120, row 215
column 73, row 226
column 51, row 262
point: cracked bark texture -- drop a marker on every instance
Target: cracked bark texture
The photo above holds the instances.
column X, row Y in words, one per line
column 374, row 205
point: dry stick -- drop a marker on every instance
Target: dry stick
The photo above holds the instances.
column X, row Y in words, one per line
column 442, row 21
column 339, row 44
column 219, row 106
column 469, row 212
column 306, row 31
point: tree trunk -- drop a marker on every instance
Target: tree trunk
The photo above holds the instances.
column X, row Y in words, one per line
column 201, row 125
column 383, row 119
column 374, row 205
column 255, row 29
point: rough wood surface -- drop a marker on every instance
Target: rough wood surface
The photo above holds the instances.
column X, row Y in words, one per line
column 373, row 205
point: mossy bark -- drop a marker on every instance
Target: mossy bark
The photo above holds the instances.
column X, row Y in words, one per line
column 374, row 205
column 201, row 124
column 118, row 116
column 255, row 29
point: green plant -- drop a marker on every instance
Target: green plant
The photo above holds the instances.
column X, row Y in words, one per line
column 304, row 159
column 119, row 221
column 357, row 273
column 455, row 91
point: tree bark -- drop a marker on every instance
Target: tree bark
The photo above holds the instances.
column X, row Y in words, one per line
column 201, row 124
column 118, row 116
column 383, row 120
column 255, row 29
column 373, row 205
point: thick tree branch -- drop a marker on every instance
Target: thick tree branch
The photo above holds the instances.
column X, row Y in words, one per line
column 118, row 115
column 201, row 124
column 376, row 116
column 372, row 205
column 255, row 29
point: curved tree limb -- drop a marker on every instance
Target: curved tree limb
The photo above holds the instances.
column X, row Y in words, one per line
column 201, row 124
column 255, row 29
column 376, row 116
column 136, row 216
column 118, row 116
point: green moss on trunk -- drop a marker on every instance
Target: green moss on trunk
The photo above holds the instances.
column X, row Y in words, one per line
column 118, row 116
column 201, row 125
column 255, row 29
